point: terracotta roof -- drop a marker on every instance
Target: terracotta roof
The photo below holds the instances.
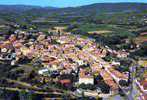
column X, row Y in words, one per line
column 143, row 33
column 112, row 84
column 96, row 68
column 118, row 74
column 17, row 44
column 106, row 75
column 109, row 80
column 83, row 74
column 65, row 81
column 12, row 38
column 48, row 59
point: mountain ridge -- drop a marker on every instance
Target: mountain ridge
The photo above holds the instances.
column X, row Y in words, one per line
column 108, row 7
column 86, row 10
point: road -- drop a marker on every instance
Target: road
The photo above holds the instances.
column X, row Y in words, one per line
column 133, row 91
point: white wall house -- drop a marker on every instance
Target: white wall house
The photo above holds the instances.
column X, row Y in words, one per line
column 86, row 80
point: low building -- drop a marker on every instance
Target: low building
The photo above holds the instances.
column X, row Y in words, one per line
column 65, row 81
column 44, row 72
column 85, row 78
column 118, row 75
column 109, row 80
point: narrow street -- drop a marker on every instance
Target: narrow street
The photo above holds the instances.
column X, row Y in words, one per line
column 133, row 90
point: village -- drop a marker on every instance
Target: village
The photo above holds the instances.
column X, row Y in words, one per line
column 69, row 61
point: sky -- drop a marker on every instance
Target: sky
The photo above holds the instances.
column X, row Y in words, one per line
column 61, row 3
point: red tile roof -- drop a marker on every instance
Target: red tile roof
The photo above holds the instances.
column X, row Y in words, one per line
column 65, row 81
column 143, row 33
column 118, row 74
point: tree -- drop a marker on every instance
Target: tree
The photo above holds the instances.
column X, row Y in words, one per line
column 87, row 86
column 91, row 87
column 125, row 62
column 32, row 74
column 24, row 60
column 121, row 92
column 103, row 86
column 123, row 83
column 108, row 58
column 82, row 86
column 71, row 27
column 122, row 68
column 144, row 45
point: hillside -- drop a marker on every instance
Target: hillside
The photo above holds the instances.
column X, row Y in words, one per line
column 98, row 8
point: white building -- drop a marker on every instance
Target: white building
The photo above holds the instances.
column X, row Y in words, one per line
column 86, row 80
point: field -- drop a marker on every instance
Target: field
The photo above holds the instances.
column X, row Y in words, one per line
column 106, row 29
